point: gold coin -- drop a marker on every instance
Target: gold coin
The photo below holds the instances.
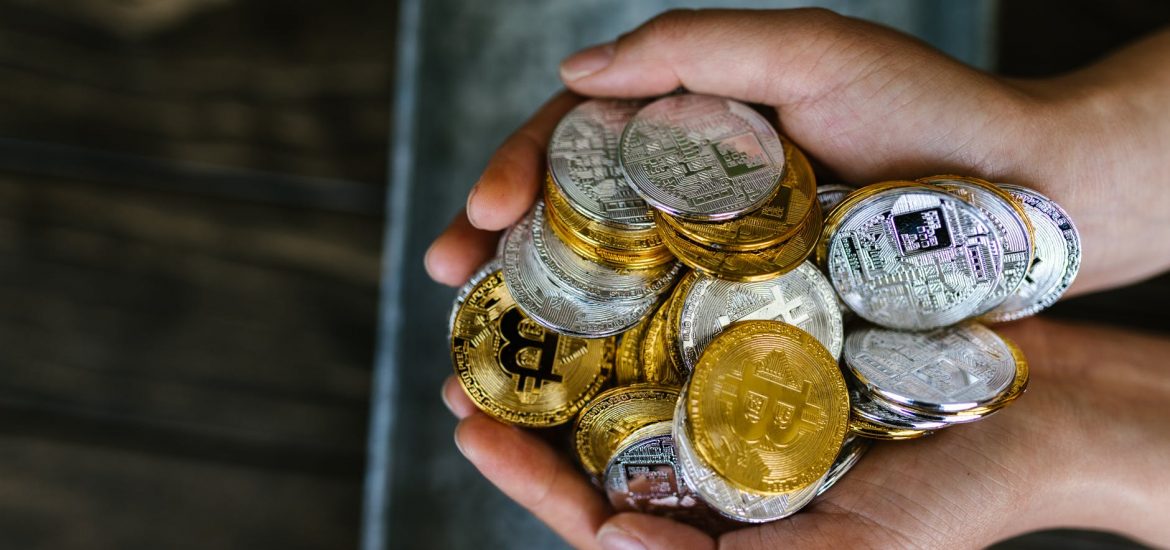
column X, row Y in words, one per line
column 870, row 430
column 621, row 259
column 627, row 367
column 779, row 220
column 616, row 413
column 517, row 371
column 674, row 320
column 655, row 364
column 837, row 215
column 643, row 241
column 768, row 407
column 757, row 265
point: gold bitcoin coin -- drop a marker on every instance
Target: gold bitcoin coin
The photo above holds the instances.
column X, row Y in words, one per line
column 655, row 365
column 776, row 222
column 756, row 265
column 870, row 430
column 768, row 407
column 674, row 320
column 627, row 367
column 616, row 413
column 833, row 218
column 517, row 371
column 638, row 258
column 645, row 242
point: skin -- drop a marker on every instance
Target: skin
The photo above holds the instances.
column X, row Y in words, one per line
column 1086, row 446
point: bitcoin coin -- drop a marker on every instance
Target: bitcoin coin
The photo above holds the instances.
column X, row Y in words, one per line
column 725, row 498
column 625, row 259
column 628, row 363
column 947, row 370
column 644, row 475
column 656, row 366
column 779, row 219
column 830, row 195
column 749, row 266
column 873, row 411
column 517, row 371
column 864, row 428
column 643, row 246
column 493, row 265
column 583, row 163
column 613, row 415
column 1056, row 262
column 1011, row 224
column 702, row 158
column 768, row 407
column 851, row 452
column 802, row 298
column 674, row 322
column 912, row 258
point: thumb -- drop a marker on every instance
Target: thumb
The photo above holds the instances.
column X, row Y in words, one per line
column 631, row 531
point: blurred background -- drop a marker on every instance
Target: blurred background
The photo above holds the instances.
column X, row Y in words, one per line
column 216, row 331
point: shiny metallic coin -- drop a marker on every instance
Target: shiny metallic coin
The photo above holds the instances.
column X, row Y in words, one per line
column 831, row 194
column 702, row 158
column 947, row 370
column 627, row 368
column 724, row 497
column 1057, row 259
column 1011, row 223
column 592, row 279
column 802, row 297
column 851, row 452
column 549, row 302
column 912, row 257
column 656, row 365
column 863, row 428
column 632, row 249
column 872, row 410
column 615, row 414
column 583, row 163
column 515, row 370
column 493, row 265
column 645, row 476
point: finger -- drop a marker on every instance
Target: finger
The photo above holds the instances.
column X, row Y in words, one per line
column 459, row 251
column 456, row 399
column 535, row 476
column 632, row 531
column 512, row 178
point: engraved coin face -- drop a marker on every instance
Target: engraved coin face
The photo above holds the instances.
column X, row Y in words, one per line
column 1056, row 262
column 517, row 371
column 644, row 476
column 912, row 258
column 590, row 278
column 614, row 415
column 802, row 298
column 951, row 369
column 493, row 265
column 702, row 158
column 548, row 301
column 724, row 497
column 1011, row 224
column 830, row 195
column 768, row 407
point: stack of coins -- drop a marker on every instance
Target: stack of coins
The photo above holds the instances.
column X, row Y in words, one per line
column 733, row 391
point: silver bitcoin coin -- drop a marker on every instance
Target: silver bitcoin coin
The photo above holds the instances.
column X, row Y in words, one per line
column 830, row 195
column 544, row 299
column 493, row 265
column 947, row 370
column 644, row 475
column 851, row 452
column 702, row 158
column 720, row 495
column 1015, row 237
column 583, row 162
column 873, row 411
column 802, row 297
column 918, row 417
column 593, row 279
column 913, row 258
column 1056, row 262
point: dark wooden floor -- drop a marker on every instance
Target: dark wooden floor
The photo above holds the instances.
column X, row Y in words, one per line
column 190, row 227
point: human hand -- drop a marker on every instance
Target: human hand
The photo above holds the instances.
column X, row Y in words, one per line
column 1086, row 446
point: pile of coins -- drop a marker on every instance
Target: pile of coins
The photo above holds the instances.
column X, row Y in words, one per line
column 659, row 297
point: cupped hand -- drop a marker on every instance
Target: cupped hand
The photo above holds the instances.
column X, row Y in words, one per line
column 1085, row 446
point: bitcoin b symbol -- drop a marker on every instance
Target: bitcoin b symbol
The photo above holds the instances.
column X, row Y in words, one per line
column 766, row 408
column 515, row 342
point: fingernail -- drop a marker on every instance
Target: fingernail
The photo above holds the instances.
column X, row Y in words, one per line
column 443, row 397
column 586, row 62
column 459, row 445
column 427, row 261
column 468, row 208
column 612, row 538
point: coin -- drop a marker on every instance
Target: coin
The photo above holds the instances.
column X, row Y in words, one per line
column 1011, row 223
column 637, row 258
column 592, row 279
column 946, row 370
column 724, row 497
column 873, row 411
column 644, row 475
column 779, row 219
column 583, row 163
column 851, row 452
column 674, row 321
column 801, row 297
column 702, row 158
column 641, row 245
column 615, row 414
column 911, row 257
column 656, row 366
column 549, row 302
column 830, row 195
column 628, row 363
column 517, row 371
column 768, row 407
column 749, row 266
column 1057, row 259
column 493, row 265
column 863, row 428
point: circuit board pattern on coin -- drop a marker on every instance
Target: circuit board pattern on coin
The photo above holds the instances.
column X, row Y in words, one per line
column 644, row 475
column 615, row 414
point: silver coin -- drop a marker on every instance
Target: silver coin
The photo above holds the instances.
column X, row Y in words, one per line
column 802, row 298
column 830, row 195
column 924, row 418
column 493, row 265
column 593, row 279
column 547, row 301
column 583, row 162
column 1056, row 262
column 946, row 370
column 720, row 495
column 644, row 475
column 914, row 258
column 851, row 451
column 702, row 158
column 874, row 411
column 1015, row 240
